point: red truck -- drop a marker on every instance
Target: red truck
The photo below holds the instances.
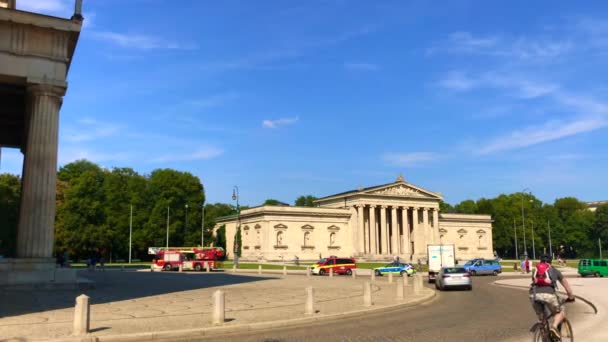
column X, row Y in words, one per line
column 190, row 258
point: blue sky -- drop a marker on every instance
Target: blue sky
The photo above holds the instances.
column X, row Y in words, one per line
column 287, row 98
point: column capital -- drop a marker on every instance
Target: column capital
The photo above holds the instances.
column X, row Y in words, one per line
column 383, row 206
column 45, row 89
column 425, row 208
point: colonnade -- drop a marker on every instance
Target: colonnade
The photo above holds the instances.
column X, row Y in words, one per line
column 395, row 230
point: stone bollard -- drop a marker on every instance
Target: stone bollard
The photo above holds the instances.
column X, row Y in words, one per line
column 373, row 276
column 354, row 273
column 284, row 270
column 406, row 280
column 390, row 278
column 331, row 272
column 400, row 294
column 259, row 269
column 308, row 272
column 418, row 285
column 233, row 268
column 207, row 268
column 219, row 308
column 82, row 315
column 310, row 301
column 367, row 294
column 181, row 268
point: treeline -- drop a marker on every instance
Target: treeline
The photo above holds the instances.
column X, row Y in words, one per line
column 567, row 221
column 94, row 211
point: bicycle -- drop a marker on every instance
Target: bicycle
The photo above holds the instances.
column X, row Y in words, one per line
column 542, row 330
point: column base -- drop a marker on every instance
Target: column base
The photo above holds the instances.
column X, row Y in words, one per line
column 35, row 272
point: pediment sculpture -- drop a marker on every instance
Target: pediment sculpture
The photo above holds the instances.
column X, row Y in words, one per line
column 400, row 190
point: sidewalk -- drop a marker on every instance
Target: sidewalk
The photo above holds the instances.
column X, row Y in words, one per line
column 588, row 326
column 151, row 305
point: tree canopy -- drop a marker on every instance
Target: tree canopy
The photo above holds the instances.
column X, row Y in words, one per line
column 305, row 201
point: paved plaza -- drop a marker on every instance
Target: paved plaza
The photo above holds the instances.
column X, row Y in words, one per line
column 130, row 302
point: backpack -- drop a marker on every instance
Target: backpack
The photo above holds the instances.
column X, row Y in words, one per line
column 541, row 275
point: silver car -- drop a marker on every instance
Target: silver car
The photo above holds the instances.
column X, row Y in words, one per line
column 450, row 277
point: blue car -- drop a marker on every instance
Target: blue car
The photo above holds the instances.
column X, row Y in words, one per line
column 395, row 268
column 483, row 266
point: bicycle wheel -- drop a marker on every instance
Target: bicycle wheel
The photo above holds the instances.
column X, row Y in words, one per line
column 539, row 334
column 565, row 329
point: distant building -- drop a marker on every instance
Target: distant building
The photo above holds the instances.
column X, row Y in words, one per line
column 593, row 205
column 375, row 223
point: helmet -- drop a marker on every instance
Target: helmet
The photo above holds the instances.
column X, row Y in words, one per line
column 546, row 258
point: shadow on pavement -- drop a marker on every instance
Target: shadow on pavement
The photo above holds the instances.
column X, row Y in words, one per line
column 114, row 286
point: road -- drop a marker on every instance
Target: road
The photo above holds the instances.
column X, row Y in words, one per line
column 488, row 313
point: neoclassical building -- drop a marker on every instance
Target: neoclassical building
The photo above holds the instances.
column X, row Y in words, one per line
column 374, row 223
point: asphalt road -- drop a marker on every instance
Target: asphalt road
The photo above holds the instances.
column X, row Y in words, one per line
column 488, row 313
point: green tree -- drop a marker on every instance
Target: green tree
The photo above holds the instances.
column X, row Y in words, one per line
column 10, row 197
column 445, row 207
column 600, row 224
column 271, row 201
column 466, row 207
column 305, row 201
column 220, row 237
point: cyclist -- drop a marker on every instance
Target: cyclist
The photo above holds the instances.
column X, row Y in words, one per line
column 543, row 292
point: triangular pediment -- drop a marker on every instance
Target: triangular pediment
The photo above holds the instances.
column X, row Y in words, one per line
column 402, row 189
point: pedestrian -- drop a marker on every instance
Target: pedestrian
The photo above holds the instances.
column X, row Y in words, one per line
column 102, row 263
column 527, row 265
column 396, row 259
column 522, row 266
column 296, row 260
column 93, row 262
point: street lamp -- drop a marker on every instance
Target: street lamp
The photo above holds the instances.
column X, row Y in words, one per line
column 235, row 197
column 515, row 231
column 186, row 227
column 523, row 220
column 203, row 224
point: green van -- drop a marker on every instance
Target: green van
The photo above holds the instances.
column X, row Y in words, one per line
column 593, row 267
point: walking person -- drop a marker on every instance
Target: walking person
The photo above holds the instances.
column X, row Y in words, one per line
column 522, row 266
column 527, row 265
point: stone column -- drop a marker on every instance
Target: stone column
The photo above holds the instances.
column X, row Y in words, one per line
column 425, row 227
column 373, row 230
column 395, row 229
column 35, row 235
column 406, row 231
column 435, row 225
column 383, row 230
column 416, row 231
column 360, row 230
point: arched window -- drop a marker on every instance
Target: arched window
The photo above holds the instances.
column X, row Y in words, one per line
column 332, row 238
column 279, row 238
column 306, row 239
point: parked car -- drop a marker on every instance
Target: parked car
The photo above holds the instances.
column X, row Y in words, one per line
column 453, row 277
column 339, row 266
column 395, row 268
column 593, row 267
column 483, row 266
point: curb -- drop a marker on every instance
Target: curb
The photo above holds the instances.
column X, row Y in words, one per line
column 190, row 334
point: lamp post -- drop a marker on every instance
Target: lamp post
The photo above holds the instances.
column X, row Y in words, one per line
column 167, row 249
column 186, row 227
column 203, row 225
column 130, row 232
column 235, row 197
column 533, row 249
column 523, row 220
column 515, row 231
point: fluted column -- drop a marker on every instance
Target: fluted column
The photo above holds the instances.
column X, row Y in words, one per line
column 395, row 231
column 418, row 244
column 383, row 229
column 436, row 225
column 35, row 236
column 373, row 230
column 406, row 231
column 360, row 230
column 425, row 226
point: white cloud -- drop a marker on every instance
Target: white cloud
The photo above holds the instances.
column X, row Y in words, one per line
column 139, row 41
column 549, row 131
column 279, row 122
column 362, row 66
column 89, row 129
column 523, row 48
column 409, row 159
column 203, row 153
